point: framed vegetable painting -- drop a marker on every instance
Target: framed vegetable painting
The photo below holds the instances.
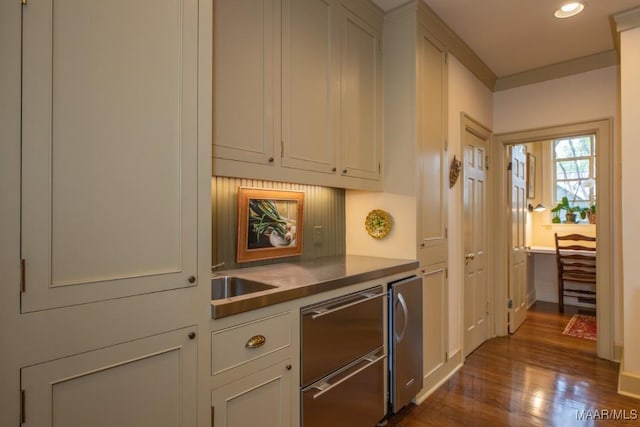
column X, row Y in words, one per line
column 269, row 224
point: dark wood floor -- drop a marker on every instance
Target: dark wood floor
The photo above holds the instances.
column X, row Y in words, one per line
column 536, row 377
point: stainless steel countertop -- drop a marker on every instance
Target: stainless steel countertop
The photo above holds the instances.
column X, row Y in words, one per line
column 300, row 279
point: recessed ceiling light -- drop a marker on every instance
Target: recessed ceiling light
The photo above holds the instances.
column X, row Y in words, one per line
column 569, row 9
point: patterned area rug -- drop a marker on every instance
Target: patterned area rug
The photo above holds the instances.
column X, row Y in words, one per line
column 581, row 326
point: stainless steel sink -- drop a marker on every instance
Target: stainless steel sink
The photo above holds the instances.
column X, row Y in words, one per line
column 231, row 286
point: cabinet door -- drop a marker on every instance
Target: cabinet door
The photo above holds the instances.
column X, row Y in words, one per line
column 246, row 79
column 361, row 90
column 435, row 320
column 109, row 140
column 262, row 398
column 431, row 149
column 147, row 382
column 309, row 93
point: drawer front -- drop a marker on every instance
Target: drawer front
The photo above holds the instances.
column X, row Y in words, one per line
column 240, row 344
column 339, row 331
column 354, row 397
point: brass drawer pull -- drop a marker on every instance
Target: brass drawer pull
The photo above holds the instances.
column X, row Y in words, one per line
column 256, row 341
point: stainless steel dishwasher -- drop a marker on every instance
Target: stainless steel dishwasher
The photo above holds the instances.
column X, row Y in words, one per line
column 343, row 360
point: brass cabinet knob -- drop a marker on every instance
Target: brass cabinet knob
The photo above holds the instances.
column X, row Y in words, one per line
column 288, row 367
column 271, row 159
column 191, row 279
column 191, row 335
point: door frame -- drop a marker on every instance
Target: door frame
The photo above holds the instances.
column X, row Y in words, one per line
column 468, row 124
column 604, row 223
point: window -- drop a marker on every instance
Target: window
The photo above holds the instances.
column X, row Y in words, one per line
column 574, row 173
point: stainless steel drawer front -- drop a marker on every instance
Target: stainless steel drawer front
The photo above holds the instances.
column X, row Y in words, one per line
column 351, row 397
column 338, row 332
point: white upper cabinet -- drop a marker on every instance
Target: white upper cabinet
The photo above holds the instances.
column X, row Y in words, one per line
column 309, row 94
column 298, row 91
column 109, row 149
column 246, row 79
column 361, row 87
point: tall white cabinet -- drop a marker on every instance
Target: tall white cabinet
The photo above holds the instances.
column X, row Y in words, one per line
column 109, row 149
column 416, row 127
column 100, row 293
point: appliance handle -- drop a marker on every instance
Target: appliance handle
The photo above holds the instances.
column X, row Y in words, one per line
column 405, row 313
column 323, row 310
column 325, row 386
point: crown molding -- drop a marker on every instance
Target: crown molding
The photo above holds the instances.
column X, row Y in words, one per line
column 555, row 71
column 455, row 45
column 627, row 20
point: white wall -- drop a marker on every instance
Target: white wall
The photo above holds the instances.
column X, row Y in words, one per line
column 401, row 241
column 630, row 134
column 582, row 97
column 577, row 98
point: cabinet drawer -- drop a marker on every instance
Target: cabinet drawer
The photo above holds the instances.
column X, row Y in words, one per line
column 243, row 343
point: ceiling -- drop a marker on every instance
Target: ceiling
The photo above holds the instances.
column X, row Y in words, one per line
column 515, row 36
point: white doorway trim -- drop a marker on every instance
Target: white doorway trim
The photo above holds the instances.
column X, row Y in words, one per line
column 604, row 223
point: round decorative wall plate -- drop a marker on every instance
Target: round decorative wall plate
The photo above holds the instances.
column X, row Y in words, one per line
column 378, row 223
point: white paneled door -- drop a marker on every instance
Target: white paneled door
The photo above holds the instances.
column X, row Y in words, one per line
column 517, row 253
column 109, row 149
column 476, row 292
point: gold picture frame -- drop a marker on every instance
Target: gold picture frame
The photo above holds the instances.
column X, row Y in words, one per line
column 531, row 176
column 270, row 224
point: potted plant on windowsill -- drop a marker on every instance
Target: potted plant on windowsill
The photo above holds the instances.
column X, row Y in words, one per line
column 571, row 212
column 591, row 214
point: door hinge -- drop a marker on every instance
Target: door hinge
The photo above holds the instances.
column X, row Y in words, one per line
column 22, row 407
column 486, row 162
column 446, row 145
column 510, row 304
column 379, row 168
column 23, row 276
column 446, row 273
column 446, row 233
column 510, row 166
column 446, row 356
column 487, row 307
column 281, row 149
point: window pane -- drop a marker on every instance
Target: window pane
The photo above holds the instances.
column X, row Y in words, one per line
column 572, row 169
column 573, row 147
column 574, row 191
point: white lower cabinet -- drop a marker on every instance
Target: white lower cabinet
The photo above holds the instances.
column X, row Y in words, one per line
column 252, row 369
column 146, row 382
column 262, row 398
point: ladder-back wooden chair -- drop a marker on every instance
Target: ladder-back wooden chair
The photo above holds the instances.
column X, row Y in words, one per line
column 576, row 258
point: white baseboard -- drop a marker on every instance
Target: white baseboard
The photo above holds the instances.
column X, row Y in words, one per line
column 438, row 377
column 628, row 382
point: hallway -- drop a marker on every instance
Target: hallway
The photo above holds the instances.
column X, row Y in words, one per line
column 536, row 377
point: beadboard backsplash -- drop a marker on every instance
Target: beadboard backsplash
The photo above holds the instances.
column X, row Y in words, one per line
column 323, row 206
